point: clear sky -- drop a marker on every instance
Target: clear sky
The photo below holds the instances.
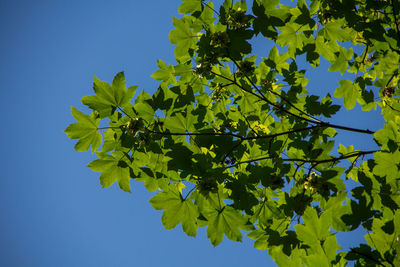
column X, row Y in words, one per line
column 53, row 211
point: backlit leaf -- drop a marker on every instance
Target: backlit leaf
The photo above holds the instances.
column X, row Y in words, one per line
column 86, row 130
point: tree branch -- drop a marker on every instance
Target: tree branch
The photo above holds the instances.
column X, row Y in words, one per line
column 321, row 123
column 197, row 134
column 239, row 136
column 315, row 162
column 286, row 100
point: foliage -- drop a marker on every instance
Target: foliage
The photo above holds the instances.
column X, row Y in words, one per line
column 234, row 142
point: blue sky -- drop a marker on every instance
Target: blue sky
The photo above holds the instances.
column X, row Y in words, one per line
column 53, row 209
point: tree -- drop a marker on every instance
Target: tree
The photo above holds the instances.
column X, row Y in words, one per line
column 234, row 142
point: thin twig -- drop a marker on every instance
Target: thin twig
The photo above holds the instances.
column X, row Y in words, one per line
column 275, row 105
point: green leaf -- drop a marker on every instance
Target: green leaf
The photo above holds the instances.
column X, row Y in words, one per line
column 176, row 210
column 331, row 246
column 183, row 37
column 277, row 61
column 112, row 169
column 315, row 228
column 345, row 150
column 387, row 165
column 334, row 31
column 239, row 45
column 350, row 93
column 335, row 208
column 261, row 237
column 289, row 36
column 190, row 6
column 326, row 49
column 144, row 111
column 389, row 135
column 227, row 221
column 165, row 73
column 179, row 123
column 341, row 61
column 86, row 130
column 266, row 211
column 109, row 97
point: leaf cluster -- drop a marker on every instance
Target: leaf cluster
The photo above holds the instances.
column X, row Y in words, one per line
column 234, row 142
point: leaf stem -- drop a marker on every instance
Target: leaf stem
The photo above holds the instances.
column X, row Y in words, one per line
column 191, row 190
column 124, row 112
column 211, row 9
column 110, row 127
column 365, row 54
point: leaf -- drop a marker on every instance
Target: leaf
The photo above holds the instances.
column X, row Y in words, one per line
column 383, row 238
column 179, row 123
column 165, row 73
column 335, row 208
column 331, row 246
column 112, row 169
column 389, row 135
column 144, row 111
column 238, row 42
column 341, row 61
column 314, row 228
column 183, row 37
column 349, row 91
column 289, row 36
column 346, row 150
column 86, row 130
column 261, row 237
column 176, row 210
column 387, row 165
column 226, row 221
column 326, row 49
column 334, row 31
column 266, row 211
column 190, row 6
column 109, row 97
column 277, row 61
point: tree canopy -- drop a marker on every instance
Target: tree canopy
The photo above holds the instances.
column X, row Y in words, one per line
column 234, row 142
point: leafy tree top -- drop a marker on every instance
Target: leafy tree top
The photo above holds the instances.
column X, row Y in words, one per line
column 234, row 142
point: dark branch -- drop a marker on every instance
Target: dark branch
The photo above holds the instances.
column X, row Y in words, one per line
column 320, row 123
column 197, row 134
column 315, row 162
column 239, row 136
column 275, row 105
